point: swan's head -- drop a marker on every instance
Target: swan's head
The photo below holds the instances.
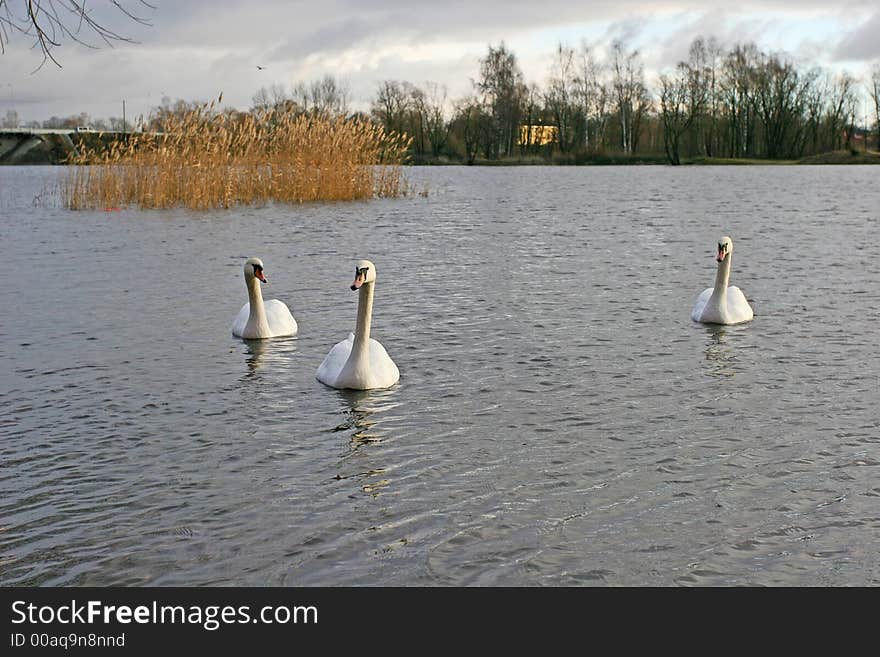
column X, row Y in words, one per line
column 253, row 268
column 725, row 248
column 364, row 272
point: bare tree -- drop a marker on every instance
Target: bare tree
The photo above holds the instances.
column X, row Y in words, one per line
column 167, row 112
column 737, row 90
column 875, row 96
column 68, row 121
column 502, row 89
column 714, row 54
column 681, row 101
column 781, row 95
column 434, row 112
column 630, row 94
column 559, row 98
column 593, row 96
column 703, row 58
column 418, row 112
column 275, row 98
column 417, row 119
column 529, row 139
column 50, row 22
column 327, row 96
column 697, row 69
column 466, row 125
column 392, row 104
column 279, row 95
column 814, row 105
column 841, row 99
column 261, row 100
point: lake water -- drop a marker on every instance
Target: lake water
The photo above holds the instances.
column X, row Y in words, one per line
column 559, row 419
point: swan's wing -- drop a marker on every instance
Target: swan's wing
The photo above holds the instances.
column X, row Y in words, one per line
column 382, row 368
column 241, row 320
column 281, row 322
column 335, row 361
column 700, row 304
column 738, row 307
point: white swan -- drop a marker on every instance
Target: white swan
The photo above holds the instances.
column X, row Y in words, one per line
column 258, row 319
column 359, row 362
column 722, row 304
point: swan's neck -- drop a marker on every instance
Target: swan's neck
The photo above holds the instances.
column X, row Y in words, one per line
column 257, row 322
column 722, row 277
column 365, row 317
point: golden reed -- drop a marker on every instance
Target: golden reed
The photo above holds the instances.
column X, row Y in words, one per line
column 204, row 160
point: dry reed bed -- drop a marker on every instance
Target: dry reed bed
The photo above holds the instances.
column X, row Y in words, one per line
column 207, row 160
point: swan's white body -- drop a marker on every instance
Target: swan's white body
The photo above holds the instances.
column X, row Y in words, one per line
column 260, row 319
column 722, row 304
column 360, row 362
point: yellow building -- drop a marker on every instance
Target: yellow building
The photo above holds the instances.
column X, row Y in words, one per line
column 537, row 134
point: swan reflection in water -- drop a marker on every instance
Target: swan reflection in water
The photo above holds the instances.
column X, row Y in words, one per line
column 263, row 354
column 364, row 415
column 720, row 356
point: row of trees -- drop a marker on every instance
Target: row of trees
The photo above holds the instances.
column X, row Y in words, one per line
column 746, row 103
column 579, row 110
column 736, row 103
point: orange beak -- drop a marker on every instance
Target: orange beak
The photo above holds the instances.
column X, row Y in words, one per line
column 358, row 281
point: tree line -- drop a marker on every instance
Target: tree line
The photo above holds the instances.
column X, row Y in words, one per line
column 745, row 103
column 734, row 103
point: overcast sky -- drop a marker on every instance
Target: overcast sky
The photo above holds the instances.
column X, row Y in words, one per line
column 195, row 50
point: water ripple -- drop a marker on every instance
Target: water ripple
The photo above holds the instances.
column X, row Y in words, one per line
column 559, row 419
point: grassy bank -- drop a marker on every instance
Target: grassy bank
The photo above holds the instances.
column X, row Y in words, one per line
column 834, row 157
column 734, row 161
column 558, row 159
column 844, row 157
column 565, row 159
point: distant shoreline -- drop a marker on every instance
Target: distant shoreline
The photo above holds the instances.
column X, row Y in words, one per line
column 834, row 157
column 50, row 157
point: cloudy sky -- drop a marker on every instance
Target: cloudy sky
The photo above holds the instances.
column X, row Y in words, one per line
column 196, row 49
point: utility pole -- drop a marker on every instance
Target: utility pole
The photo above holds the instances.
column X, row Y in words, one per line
column 123, row 117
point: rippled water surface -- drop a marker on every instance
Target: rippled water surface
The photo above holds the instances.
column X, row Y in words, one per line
column 559, row 419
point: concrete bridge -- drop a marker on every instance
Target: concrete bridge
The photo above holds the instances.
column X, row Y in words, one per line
column 15, row 143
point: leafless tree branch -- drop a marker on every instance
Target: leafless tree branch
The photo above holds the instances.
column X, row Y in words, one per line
column 50, row 22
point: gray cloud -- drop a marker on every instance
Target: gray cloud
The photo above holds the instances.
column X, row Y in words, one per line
column 334, row 37
column 727, row 29
column 194, row 50
column 627, row 31
column 861, row 44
